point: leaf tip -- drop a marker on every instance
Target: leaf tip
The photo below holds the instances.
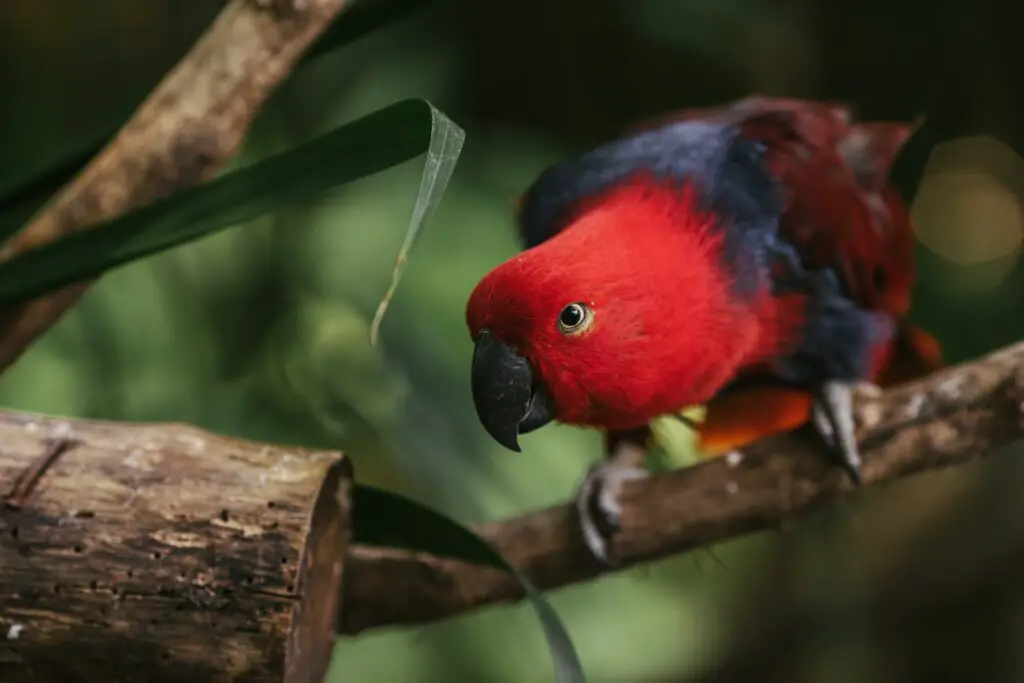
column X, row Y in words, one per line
column 378, row 315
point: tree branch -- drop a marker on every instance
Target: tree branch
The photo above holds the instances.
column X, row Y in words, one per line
column 182, row 135
column 954, row 416
column 947, row 583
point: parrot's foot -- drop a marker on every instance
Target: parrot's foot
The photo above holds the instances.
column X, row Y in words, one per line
column 597, row 500
column 834, row 420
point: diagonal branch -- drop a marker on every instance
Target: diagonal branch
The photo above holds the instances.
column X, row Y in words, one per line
column 942, row 583
column 182, row 135
column 954, row 416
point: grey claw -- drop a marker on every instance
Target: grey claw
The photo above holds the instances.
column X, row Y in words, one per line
column 833, row 418
column 598, row 505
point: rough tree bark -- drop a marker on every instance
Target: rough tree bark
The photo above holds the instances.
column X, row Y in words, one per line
column 165, row 553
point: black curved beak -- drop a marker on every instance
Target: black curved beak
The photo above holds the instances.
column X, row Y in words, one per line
column 508, row 400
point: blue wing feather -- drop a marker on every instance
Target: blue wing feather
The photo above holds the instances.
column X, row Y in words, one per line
column 725, row 168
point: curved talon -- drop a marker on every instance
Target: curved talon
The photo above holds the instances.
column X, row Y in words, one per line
column 834, row 420
column 598, row 506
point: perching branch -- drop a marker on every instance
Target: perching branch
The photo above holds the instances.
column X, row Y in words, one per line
column 954, row 416
column 176, row 517
column 183, row 134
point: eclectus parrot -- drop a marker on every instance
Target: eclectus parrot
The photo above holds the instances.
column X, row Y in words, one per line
column 752, row 258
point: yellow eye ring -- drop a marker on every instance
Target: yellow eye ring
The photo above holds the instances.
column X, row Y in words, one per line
column 574, row 319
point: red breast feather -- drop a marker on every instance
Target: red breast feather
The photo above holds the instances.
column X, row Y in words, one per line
column 668, row 329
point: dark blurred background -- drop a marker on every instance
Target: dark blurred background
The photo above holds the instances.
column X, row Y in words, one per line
column 262, row 331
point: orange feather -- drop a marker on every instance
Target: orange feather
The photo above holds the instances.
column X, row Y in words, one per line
column 738, row 418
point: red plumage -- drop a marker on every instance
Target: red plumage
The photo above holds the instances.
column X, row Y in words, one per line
column 843, row 211
column 675, row 273
column 646, row 309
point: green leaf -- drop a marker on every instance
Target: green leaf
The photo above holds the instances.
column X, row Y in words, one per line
column 20, row 199
column 387, row 519
column 445, row 146
column 355, row 150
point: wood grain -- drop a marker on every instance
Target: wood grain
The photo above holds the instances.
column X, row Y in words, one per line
column 164, row 549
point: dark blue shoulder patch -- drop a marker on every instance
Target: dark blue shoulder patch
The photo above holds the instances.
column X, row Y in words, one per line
column 725, row 168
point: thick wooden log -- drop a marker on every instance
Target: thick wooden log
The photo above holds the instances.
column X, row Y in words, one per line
column 161, row 552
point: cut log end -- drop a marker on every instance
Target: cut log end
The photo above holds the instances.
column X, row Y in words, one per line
column 311, row 641
column 166, row 553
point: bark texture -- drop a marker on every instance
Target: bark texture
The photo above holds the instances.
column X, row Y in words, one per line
column 955, row 416
column 161, row 552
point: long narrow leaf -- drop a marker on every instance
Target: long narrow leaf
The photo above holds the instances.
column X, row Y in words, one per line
column 358, row 149
column 21, row 198
column 387, row 519
column 445, row 146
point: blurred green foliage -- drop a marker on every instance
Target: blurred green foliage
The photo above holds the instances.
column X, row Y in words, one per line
column 262, row 331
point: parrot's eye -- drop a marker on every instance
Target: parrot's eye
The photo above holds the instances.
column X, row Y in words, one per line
column 574, row 319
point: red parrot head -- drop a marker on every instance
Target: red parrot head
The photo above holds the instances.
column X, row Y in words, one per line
column 625, row 315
